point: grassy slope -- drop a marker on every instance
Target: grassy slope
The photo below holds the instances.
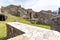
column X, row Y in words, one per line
column 18, row 19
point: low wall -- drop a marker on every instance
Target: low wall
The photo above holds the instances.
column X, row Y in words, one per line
column 12, row 32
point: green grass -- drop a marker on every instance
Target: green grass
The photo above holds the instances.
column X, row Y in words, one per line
column 18, row 19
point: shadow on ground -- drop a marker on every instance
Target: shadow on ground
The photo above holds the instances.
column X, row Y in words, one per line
column 4, row 38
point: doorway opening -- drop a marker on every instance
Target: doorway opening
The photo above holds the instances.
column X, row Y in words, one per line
column 2, row 17
column 30, row 16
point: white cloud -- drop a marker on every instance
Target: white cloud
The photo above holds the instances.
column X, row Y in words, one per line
column 38, row 5
column 11, row 0
column 15, row 2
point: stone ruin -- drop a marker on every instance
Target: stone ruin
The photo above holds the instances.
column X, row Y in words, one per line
column 55, row 23
column 42, row 17
column 28, row 14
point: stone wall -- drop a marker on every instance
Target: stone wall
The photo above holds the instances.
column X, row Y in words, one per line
column 19, row 11
column 30, row 13
column 45, row 17
column 42, row 17
column 12, row 9
column 12, row 32
column 55, row 23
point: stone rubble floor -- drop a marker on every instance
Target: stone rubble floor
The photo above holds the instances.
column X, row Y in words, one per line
column 34, row 33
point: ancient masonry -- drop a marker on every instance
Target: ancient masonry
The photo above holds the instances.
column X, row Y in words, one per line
column 20, row 31
column 55, row 23
column 42, row 17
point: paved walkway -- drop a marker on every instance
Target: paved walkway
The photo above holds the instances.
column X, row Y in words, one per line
column 34, row 33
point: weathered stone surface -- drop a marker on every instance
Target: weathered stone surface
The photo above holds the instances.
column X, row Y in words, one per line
column 14, row 10
column 18, row 11
column 42, row 17
column 45, row 17
column 12, row 32
column 33, row 32
column 55, row 23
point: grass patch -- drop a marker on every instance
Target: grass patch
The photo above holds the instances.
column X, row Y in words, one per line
column 18, row 19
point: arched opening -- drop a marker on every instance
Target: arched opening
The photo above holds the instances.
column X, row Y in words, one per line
column 2, row 17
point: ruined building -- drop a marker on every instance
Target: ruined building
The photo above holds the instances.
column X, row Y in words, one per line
column 17, row 11
column 45, row 17
column 55, row 23
column 42, row 17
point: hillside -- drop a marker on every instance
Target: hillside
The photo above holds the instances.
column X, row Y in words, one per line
column 18, row 19
column 42, row 17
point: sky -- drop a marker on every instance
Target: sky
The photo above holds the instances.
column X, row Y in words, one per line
column 36, row 5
